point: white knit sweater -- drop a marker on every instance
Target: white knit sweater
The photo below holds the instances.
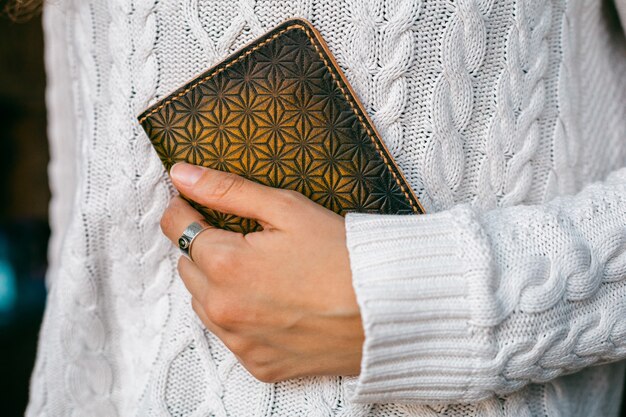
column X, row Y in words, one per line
column 508, row 299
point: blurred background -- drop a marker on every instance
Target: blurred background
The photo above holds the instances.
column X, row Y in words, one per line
column 24, row 197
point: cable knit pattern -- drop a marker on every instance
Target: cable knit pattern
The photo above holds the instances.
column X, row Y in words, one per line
column 514, row 134
column 462, row 51
column 507, row 300
column 393, row 53
column 146, row 266
column 446, row 311
column 567, row 130
column 84, row 375
column 88, row 371
column 218, row 42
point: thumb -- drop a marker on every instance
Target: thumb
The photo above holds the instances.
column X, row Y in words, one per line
column 227, row 192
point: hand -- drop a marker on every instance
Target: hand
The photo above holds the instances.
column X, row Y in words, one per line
column 280, row 299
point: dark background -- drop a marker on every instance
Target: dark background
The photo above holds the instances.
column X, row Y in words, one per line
column 24, row 197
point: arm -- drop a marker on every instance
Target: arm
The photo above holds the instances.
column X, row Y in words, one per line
column 456, row 306
column 461, row 305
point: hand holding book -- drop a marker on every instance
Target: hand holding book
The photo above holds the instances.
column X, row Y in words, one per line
column 281, row 113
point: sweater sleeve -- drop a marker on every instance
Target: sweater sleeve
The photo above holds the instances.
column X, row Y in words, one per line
column 461, row 305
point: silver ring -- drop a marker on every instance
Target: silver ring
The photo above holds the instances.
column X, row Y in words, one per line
column 185, row 241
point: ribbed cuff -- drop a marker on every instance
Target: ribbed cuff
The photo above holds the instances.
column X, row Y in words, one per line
column 411, row 277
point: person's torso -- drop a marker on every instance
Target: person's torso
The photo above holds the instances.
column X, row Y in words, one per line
column 493, row 103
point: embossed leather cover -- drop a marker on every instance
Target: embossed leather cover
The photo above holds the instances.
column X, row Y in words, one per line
column 280, row 112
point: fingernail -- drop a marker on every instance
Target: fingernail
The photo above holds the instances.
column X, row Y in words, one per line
column 186, row 174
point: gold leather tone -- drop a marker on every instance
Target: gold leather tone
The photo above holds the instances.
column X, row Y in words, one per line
column 280, row 112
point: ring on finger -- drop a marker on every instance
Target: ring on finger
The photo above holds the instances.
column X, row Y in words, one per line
column 185, row 241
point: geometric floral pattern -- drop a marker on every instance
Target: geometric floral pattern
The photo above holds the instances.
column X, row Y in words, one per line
column 279, row 112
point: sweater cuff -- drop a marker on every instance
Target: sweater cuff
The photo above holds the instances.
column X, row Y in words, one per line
column 413, row 283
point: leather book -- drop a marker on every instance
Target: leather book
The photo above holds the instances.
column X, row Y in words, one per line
column 281, row 112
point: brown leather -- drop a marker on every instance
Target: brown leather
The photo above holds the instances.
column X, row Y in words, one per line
column 280, row 112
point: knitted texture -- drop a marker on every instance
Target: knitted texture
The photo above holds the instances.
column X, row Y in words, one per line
column 508, row 299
